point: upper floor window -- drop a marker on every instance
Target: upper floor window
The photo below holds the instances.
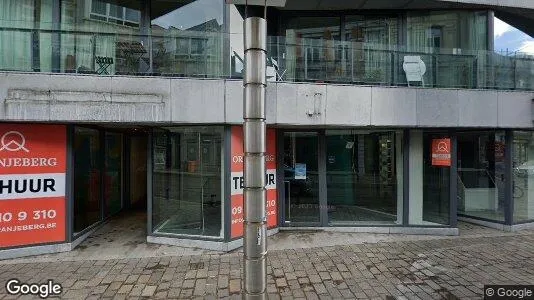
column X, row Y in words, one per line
column 113, row 13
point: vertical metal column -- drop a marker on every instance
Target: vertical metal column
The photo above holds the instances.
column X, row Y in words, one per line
column 254, row 132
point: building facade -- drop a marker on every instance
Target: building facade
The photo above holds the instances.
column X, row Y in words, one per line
column 383, row 116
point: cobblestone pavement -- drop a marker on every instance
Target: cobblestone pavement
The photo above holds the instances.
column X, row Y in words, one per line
column 441, row 268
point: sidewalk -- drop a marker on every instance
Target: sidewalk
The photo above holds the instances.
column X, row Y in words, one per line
column 372, row 266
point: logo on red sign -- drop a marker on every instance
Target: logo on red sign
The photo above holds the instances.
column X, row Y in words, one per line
column 32, row 184
column 441, row 152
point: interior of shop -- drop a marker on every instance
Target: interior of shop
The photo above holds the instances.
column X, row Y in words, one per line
column 361, row 178
column 187, row 181
column 110, row 179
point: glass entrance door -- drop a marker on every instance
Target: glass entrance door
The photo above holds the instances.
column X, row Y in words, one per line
column 361, row 177
column 342, row 178
column 301, row 179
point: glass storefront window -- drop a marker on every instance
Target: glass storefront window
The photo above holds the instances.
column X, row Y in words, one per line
column 187, row 181
column 523, row 176
column 429, row 181
column 481, row 175
column 87, row 178
column 361, row 176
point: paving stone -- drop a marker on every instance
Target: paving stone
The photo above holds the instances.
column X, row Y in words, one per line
column 429, row 268
column 148, row 291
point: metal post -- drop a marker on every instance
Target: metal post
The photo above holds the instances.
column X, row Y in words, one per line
column 254, row 132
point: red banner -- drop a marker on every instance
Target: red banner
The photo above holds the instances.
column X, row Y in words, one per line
column 441, row 152
column 32, row 184
column 237, row 181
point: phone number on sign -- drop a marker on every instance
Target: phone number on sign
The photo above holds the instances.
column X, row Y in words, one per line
column 37, row 215
column 6, row 217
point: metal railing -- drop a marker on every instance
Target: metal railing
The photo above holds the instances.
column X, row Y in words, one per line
column 178, row 53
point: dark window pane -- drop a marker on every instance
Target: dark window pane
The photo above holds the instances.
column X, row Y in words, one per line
column 481, row 175
column 87, row 185
column 113, row 175
column 361, row 177
column 436, row 186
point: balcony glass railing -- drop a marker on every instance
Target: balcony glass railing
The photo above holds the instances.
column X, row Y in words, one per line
column 390, row 65
column 216, row 55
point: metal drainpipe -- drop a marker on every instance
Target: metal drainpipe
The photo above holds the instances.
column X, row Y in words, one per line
column 254, row 132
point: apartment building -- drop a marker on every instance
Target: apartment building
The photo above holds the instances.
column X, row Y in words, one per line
column 385, row 116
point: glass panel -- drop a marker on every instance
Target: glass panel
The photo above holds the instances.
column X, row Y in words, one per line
column 101, row 41
column 377, row 30
column 313, row 47
column 481, row 175
column 523, row 176
column 301, row 177
column 187, row 181
column 133, row 15
column 98, row 7
column 361, row 177
column 116, row 11
column 113, row 175
column 87, row 185
column 16, row 18
column 436, row 187
column 463, row 30
column 187, row 37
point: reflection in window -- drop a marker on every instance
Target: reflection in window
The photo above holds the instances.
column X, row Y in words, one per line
column 523, row 176
column 187, row 181
column 481, row 175
column 462, row 30
column 114, row 13
column 186, row 37
column 101, row 29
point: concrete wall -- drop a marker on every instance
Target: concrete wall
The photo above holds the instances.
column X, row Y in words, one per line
column 80, row 98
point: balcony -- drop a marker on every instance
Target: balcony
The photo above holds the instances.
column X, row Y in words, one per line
column 209, row 55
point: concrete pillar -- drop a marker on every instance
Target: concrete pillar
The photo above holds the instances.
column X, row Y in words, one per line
column 399, row 161
column 415, row 168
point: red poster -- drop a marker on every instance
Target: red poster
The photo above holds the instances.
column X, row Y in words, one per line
column 441, row 152
column 32, row 184
column 237, row 181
